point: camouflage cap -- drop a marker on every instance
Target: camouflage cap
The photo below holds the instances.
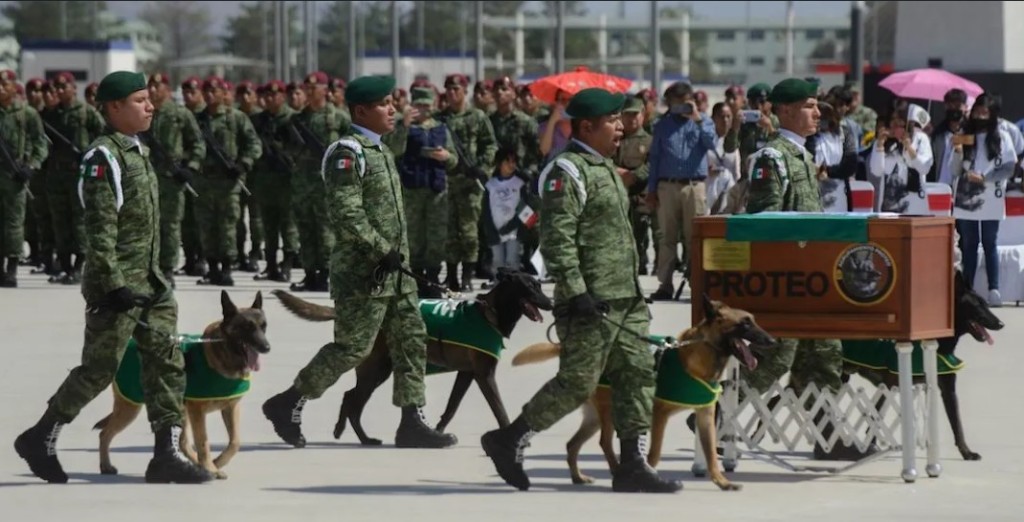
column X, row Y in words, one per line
column 369, row 89
column 633, row 104
column 423, row 96
column 792, row 90
column 8, row 75
column 595, row 102
column 119, row 84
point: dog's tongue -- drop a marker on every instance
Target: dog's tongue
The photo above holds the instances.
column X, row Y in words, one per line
column 748, row 357
column 988, row 336
column 253, row 360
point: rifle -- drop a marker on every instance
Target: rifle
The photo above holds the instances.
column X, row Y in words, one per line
column 164, row 157
column 277, row 158
column 16, row 166
column 467, row 165
column 54, row 133
column 213, row 146
column 307, row 137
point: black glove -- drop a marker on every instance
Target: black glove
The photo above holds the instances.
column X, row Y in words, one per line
column 391, row 261
column 184, row 175
column 120, row 300
column 585, row 305
column 24, row 175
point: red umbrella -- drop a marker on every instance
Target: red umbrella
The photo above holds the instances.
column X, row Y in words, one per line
column 547, row 87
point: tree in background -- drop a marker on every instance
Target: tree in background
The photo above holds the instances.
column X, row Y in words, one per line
column 186, row 28
column 250, row 34
column 55, row 20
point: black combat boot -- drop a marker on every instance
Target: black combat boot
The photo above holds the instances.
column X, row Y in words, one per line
column 10, row 277
column 307, row 284
column 169, row 464
column 273, row 272
column 38, row 446
column 213, row 275
column 284, row 411
column 46, row 266
column 74, row 276
column 225, row 273
column 505, row 447
column 467, row 278
column 322, row 281
column 635, row 475
column 451, row 279
column 414, row 433
column 64, row 260
column 287, row 263
column 248, row 263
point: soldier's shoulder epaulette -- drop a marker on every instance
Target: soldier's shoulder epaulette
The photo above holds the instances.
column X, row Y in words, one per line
column 566, row 162
column 100, row 163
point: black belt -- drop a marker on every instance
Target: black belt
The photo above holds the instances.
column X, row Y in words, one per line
column 689, row 181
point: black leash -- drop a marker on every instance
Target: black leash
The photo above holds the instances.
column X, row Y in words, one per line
column 603, row 309
column 380, row 275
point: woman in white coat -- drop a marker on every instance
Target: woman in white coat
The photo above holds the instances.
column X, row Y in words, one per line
column 900, row 160
column 982, row 162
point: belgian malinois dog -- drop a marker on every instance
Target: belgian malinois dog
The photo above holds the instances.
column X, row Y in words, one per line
column 703, row 352
column 228, row 351
column 516, row 294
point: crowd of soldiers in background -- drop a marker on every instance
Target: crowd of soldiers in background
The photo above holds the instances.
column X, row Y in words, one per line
column 469, row 164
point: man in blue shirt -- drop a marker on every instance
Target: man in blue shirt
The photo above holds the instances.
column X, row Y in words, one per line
column 678, row 167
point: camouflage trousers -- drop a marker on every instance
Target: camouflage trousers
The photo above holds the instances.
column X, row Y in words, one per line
column 642, row 223
column 426, row 215
column 12, row 212
column 66, row 209
column 41, row 213
column 592, row 346
column 172, row 210
column 250, row 205
column 357, row 322
column 190, row 230
column 315, row 235
column 217, row 210
column 277, row 216
column 465, row 204
column 808, row 360
column 106, row 337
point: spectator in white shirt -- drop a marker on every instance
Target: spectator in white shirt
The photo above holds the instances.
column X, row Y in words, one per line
column 723, row 167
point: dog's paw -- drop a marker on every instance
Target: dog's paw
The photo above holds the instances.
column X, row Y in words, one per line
column 583, row 480
column 970, row 455
column 371, row 442
column 108, row 469
column 220, row 475
column 729, row 486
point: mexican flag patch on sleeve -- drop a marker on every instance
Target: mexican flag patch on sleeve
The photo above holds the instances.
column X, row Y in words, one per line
column 94, row 171
column 345, row 163
column 554, row 185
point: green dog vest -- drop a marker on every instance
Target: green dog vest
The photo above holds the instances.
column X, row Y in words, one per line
column 202, row 382
column 459, row 323
column 674, row 385
column 879, row 354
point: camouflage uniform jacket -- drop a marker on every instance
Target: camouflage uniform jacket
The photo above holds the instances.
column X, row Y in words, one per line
column 174, row 127
column 632, row 155
column 366, row 212
column 80, row 123
column 273, row 130
column 475, row 135
column 783, row 177
column 752, row 138
column 22, row 129
column 231, row 129
column 118, row 192
column 325, row 124
column 518, row 130
column 866, row 117
column 586, row 236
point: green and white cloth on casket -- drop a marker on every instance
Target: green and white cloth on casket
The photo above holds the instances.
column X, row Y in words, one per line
column 459, row 323
column 881, row 354
column 203, row 383
column 674, row 384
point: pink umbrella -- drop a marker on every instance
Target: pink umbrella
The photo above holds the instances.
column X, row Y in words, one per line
column 928, row 84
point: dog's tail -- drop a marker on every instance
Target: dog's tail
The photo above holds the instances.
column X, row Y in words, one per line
column 304, row 309
column 535, row 353
column 102, row 423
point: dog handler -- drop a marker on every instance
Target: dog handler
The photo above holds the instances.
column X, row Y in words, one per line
column 586, row 205
column 118, row 191
column 365, row 210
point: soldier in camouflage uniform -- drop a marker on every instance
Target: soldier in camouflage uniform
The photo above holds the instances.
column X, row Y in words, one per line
column 79, row 123
column 370, row 295
column 118, row 191
column 336, row 95
column 476, row 144
column 585, row 213
column 427, row 158
column 175, row 134
column 316, row 127
column 483, row 96
column 217, row 209
column 248, row 103
column 783, row 177
column 861, row 114
column 631, row 162
column 273, row 185
column 194, row 265
column 38, row 185
column 21, row 131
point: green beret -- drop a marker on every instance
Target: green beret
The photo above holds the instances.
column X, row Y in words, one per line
column 422, row 95
column 758, row 91
column 792, row 90
column 633, row 104
column 369, row 89
column 119, row 84
column 595, row 102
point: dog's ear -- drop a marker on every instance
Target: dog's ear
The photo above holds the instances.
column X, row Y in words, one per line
column 257, row 304
column 710, row 312
column 229, row 308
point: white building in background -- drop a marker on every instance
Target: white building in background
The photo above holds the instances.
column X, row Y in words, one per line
column 960, row 36
column 87, row 61
column 144, row 37
column 9, row 47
